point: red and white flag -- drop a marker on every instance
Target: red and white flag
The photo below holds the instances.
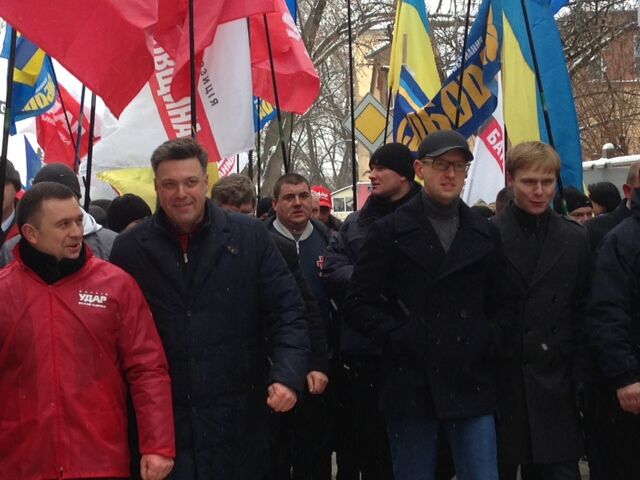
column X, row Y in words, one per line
column 54, row 137
column 487, row 173
column 297, row 80
column 224, row 113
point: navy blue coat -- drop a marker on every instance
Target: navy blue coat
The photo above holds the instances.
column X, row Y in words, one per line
column 613, row 309
column 232, row 322
column 435, row 315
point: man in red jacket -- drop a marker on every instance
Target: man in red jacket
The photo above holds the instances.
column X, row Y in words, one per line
column 75, row 334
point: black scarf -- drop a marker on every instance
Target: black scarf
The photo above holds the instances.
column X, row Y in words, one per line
column 46, row 266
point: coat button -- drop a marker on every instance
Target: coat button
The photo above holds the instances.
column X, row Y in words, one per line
column 464, row 313
column 189, row 313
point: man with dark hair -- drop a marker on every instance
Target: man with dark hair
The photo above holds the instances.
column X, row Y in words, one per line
column 503, row 198
column 126, row 212
column 229, row 314
column 613, row 323
column 547, row 276
column 76, row 334
column 99, row 239
column 235, row 191
column 365, row 447
column 600, row 225
column 12, row 186
column 292, row 203
column 605, row 197
column 427, row 289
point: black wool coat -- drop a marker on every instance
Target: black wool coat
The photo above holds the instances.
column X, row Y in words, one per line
column 433, row 314
column 538, row 420
column 232, row 322
column 613, row 312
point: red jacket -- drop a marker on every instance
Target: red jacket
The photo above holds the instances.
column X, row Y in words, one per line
column 67, row 353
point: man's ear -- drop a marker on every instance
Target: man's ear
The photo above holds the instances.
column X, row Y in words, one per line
column 29, row 232
column 509, row 180
column 417, row 168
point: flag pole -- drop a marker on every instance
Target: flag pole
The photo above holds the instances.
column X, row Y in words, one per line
column 285, row 159
column 92, row 124
column 76, row 161
column 354, row 167
column 386, row 118
column 192, row 70
column 64, row 107
column 250, row 166
column 464, row 59
column 543, row 101
column 7, row 114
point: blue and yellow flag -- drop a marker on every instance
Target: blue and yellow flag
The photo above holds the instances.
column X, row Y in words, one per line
column 413, row 74
column 524, row 116
column 34, row 89
column 479, row 87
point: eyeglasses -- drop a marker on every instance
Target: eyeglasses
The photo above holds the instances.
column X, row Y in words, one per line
column 442, row 165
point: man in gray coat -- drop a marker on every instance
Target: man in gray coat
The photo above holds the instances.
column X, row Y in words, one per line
column 547, row 273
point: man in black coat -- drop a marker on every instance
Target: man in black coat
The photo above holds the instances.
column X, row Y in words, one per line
column 427, row 289
column 363, row 435
column 613, row 322
column 548, row 269
column 229, row 314
column 600, row 225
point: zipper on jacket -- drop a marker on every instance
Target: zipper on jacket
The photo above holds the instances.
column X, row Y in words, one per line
column 56, row 387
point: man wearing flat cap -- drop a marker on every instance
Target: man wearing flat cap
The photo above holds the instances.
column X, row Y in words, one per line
column 427, row 289
column 9, row 228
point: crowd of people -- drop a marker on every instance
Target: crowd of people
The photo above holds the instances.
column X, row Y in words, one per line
column 236, row 338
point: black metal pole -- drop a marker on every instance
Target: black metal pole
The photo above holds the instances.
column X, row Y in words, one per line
column 192, row 70
column 64, row 107
column 8, row 106
column 543, row 101
column 386, row 119
column 354, row 166
column 250, row 165
column 285, row 158
column 92, row 124
column 463, row 60
column 76, row 161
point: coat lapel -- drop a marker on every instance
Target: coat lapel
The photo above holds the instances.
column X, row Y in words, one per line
column 553, row 247
column 513, row 240
column 472, row 242
column 416, row 238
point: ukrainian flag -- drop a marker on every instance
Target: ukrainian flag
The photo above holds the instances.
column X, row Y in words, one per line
column 413, row 75
column 34, row 89
column 524, row 116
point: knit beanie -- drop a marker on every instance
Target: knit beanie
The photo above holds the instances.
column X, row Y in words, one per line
column 396, row 157
column 126, row 209
column 59, row 173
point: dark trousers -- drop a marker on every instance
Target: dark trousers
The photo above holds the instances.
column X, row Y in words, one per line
column 552, row 471
column 612, row 436
column 300, row 440
column 362, row 446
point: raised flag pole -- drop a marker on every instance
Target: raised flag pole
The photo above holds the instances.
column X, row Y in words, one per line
column 192, row 70
column 354, row 167
column 463, row 60
column 7, row 113
column 76, row 161
column 64, row 107
column 386, row 118
column 543, row 101
column 87, row 182
column 285, row 158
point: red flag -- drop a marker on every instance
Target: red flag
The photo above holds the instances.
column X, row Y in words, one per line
column 53, row 131
column 172, row 30
column 297, row 79
column 106, row 44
